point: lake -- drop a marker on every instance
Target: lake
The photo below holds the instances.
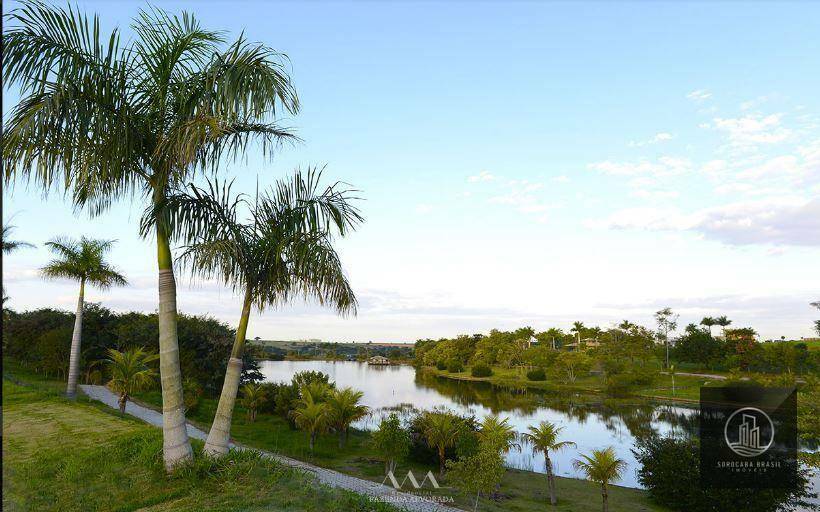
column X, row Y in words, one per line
column 589, row 421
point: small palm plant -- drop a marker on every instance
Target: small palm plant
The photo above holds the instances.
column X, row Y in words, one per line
column 253, row 397
column 82, row 260
column 284, row 250
column 441, row 430
column 544, row 438
column 130, row 372
column 497, row 434
column 344, row 408
column 311, row 416
column 602, row 467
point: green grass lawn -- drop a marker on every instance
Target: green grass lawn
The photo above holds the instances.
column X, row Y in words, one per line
column 523, row 491
column 60, row 455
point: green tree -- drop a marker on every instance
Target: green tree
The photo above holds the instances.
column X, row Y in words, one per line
column 392, row 441
column 724, row 322
column 816, row 322
column 441, row 430
column 130, row 372
column 478, row 473
column 667, row 323
column 572, row 364
column 283, row 251
column 311, row 416
column 253, row 397
column 708, row 322
column 544, row 439
column 497, row 434
column 344, row 409
column 9, row 246
column 106, row 120
column 84, row 261
column 603, row 467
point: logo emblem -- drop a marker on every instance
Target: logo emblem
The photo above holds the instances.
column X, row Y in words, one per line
column 749, row 432
column 410, row 476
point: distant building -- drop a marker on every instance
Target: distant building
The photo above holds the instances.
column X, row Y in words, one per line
column 378, row 360
column 585, row 344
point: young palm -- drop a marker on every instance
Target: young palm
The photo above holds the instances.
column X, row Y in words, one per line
column 106, row 121
column 344, row 408
column 284, row 250
column 544, row 438
column 441, row 431
column 496, row 434
column 311, row 416
column 603, row 467
column 253, row 397
column 84, row 261
column 130, row 372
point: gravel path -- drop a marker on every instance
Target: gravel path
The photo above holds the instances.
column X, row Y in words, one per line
column 329, row 477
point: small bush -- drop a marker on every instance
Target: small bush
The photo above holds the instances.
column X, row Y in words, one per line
column 536, row 374
column 455, row 367
column 441, row 365
column 481, row 370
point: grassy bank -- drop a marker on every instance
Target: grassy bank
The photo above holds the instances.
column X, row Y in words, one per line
column 523, row 491
column 686, row 389
column 61, row 455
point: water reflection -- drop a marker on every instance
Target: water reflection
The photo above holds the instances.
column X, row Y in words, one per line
column 589, row 421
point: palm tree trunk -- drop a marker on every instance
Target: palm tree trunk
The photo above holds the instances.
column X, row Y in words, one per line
column 76, row 341
column 176, row 448
column 220, row 434
column 550, row 479
column 122, row 402
column 604, row 495
column 441, row 461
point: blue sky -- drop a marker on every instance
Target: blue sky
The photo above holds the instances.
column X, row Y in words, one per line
column 522, row 164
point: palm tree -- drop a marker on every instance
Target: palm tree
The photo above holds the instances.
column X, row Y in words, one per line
column 285, row 250
column 723, row 322
column 107, row 120
column 441, row 430
column 311, row 416
column 603, row 467
column 578, row 328
column 497, row 434
column 344, row 409
column 544, row 438
column 9, row 246
column 130, row 372
column 253, row 397
column 82, row 260
column 708, row 322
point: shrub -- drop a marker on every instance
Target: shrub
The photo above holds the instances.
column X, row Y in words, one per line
column 455, row 367
column 670, row 472
column 537, row 374
column 441, row 365
column 481, row 370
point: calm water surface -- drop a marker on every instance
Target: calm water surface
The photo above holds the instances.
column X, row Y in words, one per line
column 590, row 422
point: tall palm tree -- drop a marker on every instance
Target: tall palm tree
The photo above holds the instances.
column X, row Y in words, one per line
column 344, row 409
column 311, row 416
column 708, row 322
column 441, row 430
column 497, row 434
column 106, row 120
column 602, row 467
column 130, row 372
column 544, row 438
column 82, row 260
column 578, row 328
column 723, row 322
column 283, row 251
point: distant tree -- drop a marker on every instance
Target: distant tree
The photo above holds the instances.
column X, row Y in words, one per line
column 603, row 467
column 723, row 322
column 698, row 346
column 708, row 322
column 572, row 364
column 544, row 439
column 130, row 372
column 667, row 322
column 392, row 441
column 579, row 330
column 816, row 322
column 84, row 261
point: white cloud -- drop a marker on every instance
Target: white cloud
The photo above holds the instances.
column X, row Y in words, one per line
column 752, row 129
column 655, row 139
column 423, row 209
column 785, row 221
column 699, row 95
column 480, row 177
column 560, row 179
column 655, row 195
column 663, row 166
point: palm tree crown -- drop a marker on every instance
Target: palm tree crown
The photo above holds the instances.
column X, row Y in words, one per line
column 603, row 466
column 544, row 437
column 83, row 260
column 130, row 372
column 9, row 245
column 497, row 434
